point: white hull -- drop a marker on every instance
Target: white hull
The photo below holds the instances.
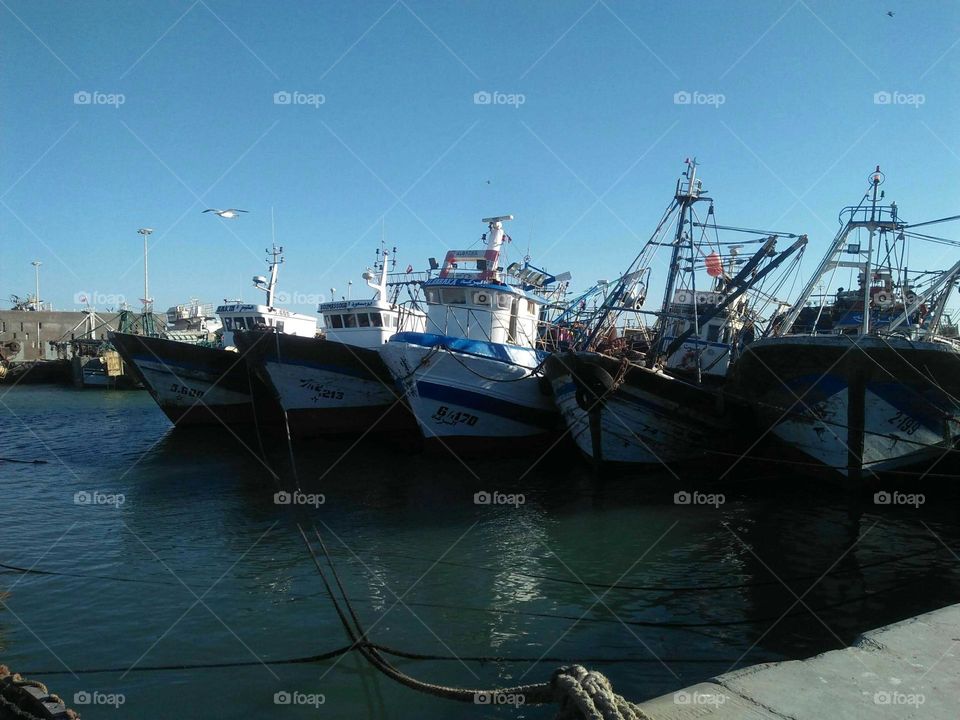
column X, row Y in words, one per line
column 301, row 387
column 456, row 396
column 180, row 387
column 890, row 439
column 636, row 427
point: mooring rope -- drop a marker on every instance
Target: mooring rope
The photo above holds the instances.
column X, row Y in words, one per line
column 579, row 693
column 30, row 699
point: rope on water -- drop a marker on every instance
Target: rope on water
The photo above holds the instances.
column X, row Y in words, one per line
column 24, row 462
column 578, row 693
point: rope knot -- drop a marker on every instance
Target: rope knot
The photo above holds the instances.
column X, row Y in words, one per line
column 583, row 694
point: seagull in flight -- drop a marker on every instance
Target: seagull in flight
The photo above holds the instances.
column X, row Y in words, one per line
column 228, row 214
column 890, row 13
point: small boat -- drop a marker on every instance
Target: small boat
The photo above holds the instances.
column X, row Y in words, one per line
column 861, row 381
column 474, row 379
column 203, row 384
column 659, row 400
column 338, row 384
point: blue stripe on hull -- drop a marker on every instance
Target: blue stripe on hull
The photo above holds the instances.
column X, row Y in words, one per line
column 534, row 417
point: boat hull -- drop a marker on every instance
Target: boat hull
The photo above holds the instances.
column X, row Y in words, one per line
column 327, row 387
column 625, row 414
column 198, row 385
column 854, row 405
column 468, row 402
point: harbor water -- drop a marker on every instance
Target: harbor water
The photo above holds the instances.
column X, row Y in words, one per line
column 151, row 549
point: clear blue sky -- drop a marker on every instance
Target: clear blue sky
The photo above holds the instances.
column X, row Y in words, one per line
column 399, row 134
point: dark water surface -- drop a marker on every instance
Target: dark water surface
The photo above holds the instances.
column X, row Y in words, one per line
column 199, row 565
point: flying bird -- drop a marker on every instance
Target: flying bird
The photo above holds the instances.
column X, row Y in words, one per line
column 890, row 13
column 227, row 214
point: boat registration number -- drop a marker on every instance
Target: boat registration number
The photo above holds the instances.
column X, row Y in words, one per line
column 443, row 415
column 904, row 423
column 179, row 389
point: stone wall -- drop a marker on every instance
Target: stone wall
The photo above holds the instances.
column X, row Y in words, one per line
column 26, row 328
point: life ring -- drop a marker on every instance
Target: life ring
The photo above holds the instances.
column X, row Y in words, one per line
column 881, row 298
column 482, row 299
column 911, row 297
column 681, row 298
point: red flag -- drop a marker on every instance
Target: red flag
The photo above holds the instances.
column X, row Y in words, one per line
column 409, row 269
column 714, row 266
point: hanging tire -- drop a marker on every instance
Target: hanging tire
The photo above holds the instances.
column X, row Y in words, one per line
column 592, row 383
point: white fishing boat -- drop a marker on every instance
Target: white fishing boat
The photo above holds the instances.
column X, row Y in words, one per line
column 661, row 403
column 861, row 381
column 200, row 384
column 474, row 379
column 338, row 384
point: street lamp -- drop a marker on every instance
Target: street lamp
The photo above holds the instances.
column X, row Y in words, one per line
column 36, row 297
column 146, row 232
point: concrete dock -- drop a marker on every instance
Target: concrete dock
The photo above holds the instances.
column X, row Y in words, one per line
column 905, row 670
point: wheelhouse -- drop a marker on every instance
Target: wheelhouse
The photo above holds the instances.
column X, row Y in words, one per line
column 367, row 323
column 237, row 316
column 495, row 312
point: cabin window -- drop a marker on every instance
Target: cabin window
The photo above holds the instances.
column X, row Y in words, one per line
column 350, row 320
column 454, row 296
column 279, row 325
column 713, row 333
column 531, row 307
column 335, row 321
column 228, row 323
column 363, row 319
column 503, row 300
column 433, row 296
column 376, row 320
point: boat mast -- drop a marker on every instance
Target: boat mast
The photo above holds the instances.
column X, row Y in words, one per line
column 685, row 197
column 868, row 263
column 276, row 257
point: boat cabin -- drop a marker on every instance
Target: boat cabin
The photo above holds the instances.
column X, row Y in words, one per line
column 238, row 316
column 367, row 323
column 478, row 310
column 370, row 323
column 712, row 346
column 470, row 298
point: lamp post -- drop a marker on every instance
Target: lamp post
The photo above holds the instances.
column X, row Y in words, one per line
column 36, row 297
column 36, row 305
column 146, row 232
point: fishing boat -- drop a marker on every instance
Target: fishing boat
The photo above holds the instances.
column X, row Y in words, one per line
column 473, row 379
column 655, row 396
column 203, row 384
column 338, row 384
column 861, row 381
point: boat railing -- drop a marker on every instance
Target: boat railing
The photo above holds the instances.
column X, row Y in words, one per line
column 880, row 214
